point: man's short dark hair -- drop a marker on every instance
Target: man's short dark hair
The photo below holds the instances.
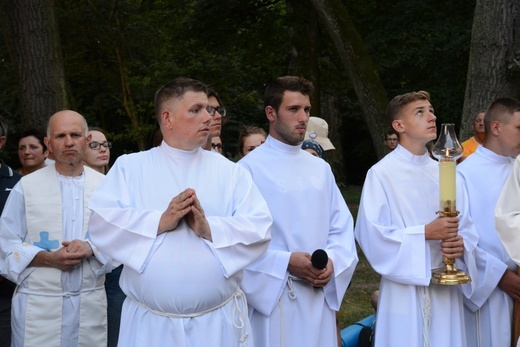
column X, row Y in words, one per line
column 391, row 131
column 174, row 90
column 274, row 91
column 500, row 110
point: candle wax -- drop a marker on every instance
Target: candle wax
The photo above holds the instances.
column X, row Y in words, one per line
column 447, row 187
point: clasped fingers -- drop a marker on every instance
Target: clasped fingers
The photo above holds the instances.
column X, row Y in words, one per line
column 453, row 247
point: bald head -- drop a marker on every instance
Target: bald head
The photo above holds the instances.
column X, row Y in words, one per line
column 67, row 140
column 67, row 114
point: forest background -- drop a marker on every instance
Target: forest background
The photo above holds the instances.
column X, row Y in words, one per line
column 106, row 59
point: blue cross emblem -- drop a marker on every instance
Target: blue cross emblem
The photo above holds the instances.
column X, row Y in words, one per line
column 45, row 243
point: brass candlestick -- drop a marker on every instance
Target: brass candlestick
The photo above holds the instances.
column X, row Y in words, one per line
column 447, row 149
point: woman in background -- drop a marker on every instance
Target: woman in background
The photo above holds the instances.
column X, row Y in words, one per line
column 97, row 157
column 97, row 154
column 250, row 138
column 32, row 151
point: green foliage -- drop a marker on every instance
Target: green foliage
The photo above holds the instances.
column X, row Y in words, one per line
column 420, row 45
column 356, row 302
column 237, row 46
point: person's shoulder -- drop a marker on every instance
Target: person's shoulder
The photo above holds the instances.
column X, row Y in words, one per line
column 467, row 163
column 9, row 177
column 312, row 161
column 7, row 172
column 93, row 173
column 38, row 174
column 136, row 156
column 471, row 140
column 217, row 159
column 388, row 159
column 254, row 157
column 15, row 176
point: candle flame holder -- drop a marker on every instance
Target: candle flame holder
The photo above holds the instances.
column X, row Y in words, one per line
column 447, row 150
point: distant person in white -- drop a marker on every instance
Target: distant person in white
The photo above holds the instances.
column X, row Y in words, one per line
column 489, row 310
column 184, row 222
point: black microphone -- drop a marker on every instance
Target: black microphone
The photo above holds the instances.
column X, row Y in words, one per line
column 319, row 259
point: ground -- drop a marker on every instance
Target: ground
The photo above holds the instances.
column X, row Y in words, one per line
column 356, row 303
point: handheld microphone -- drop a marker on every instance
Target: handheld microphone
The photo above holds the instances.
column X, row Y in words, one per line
column 319, row 259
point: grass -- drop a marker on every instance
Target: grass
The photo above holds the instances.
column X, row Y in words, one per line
column 356, row 303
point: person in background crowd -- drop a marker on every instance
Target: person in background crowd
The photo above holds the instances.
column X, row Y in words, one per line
column 313, row 148
column 184, row 222
column 318, row 130
column 97, row 155
column 471, row 144
column 216, row 144
column 250, row 138
column 8, row 179
column 32, row 151
column 60, row 298
column 293, row 302
column 391, row 139
column 215, row 126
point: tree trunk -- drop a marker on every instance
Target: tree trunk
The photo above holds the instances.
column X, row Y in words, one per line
column 495, row 38
column 358, row 64
column 303, row 31
column 115, row 36
column 32, row 34
column 335, row 157
column 128, row 101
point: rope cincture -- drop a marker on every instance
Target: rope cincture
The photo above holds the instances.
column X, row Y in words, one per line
column 427, row 315
column 238, row 296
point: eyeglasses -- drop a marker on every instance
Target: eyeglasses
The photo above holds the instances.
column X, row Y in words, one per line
column 216, row 145
column 96, row 145
column 212, row 110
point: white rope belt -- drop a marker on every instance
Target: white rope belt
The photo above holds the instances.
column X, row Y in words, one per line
column 64, row 294
column 292, row 295
column 238, row 296
column 426, row 309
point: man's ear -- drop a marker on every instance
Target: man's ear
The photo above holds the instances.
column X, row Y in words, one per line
column 46, row 141
column 270, row 113
column 166, row 119
column 495, row 128
column 2, row 141
column 397, row 124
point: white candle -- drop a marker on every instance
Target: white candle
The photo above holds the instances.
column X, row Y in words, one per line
column 447, row 187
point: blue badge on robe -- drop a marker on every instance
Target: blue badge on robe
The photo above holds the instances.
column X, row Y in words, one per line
column 45, row 243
